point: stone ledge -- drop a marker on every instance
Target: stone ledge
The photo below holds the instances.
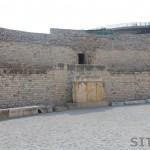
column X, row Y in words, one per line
column 4, row 113
column 60, row 108
column 92, row 104
column 87, row 105
column 147, row 100
column 32, row 110
column 16, row 112
column 135, row 102
column 117, row 103
column 42, row 109
column 24, row 111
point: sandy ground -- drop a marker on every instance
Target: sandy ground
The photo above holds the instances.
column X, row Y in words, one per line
column 109, row 128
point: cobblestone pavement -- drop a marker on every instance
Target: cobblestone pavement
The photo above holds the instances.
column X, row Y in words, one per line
column 109, row 128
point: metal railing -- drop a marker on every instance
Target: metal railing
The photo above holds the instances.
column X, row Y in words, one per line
column 133, row 24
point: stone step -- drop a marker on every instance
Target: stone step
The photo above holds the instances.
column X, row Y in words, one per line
column 147, row 100
column 135, row 102
column 87, row 105
column 4, row 113
column 42, row 109
column 16, row 112
column 117, row 104
column 32, row 110
column 60, row 108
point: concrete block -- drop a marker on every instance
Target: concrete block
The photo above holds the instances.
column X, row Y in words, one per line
column 31, row 110
column 117, row 103
column 59, row 108
column 135, row 102
column 147, row 100
column 49, row 109
column 4, row 113
column 16, row 112
column 42, row 109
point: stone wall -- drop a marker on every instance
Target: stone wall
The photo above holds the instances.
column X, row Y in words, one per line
column 126, row 59
column 119, row 85
column 62, row 46
column 25, row 90
column 40, row 68
column 33, row 87
column 53, row 85
column 35, row 54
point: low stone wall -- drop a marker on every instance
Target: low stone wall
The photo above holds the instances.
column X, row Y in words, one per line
column 24, row 111
column 18, row 112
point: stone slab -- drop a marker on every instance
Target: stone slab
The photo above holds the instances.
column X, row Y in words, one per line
column 117, row 104
column 42, row 109
column 31, row 110
column 16, row 112
column 135, row 102
column 87, row 105
column 49, row 109
column 60, row 108
column 1, row 71
column 147, row 100
column 92, row 104
column 4, row 113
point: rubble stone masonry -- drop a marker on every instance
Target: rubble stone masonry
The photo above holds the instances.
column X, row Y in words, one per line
column 40, row 68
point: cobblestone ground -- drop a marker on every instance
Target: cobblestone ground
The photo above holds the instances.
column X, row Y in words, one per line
column 108, row 128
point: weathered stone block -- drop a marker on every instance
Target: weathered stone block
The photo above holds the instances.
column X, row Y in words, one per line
column 16, row 112
column 1, row 71
column 31, row 110
column 42, row 109
column 89, row 67
column 99, row 67
column 92, row 104
column 135, row 102
column 49, row 109
column 4, row 113
column 147, row 100
column 59, row 108
column 117, row 104
column 88, row 91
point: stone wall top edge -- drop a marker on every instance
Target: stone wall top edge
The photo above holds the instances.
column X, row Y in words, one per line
column 24, row 69
column 22, row 36
column 5, row 30
column 19, row 36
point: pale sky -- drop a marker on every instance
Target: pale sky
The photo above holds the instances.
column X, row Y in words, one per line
column 41, row 15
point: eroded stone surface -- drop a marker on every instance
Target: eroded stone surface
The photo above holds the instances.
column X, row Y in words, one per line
column 42, row 109
column 16, row 112
column 4, row 113
column 31, row 110
column 60, row 108
column 135, row 102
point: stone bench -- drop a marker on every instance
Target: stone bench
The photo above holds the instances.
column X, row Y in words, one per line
column 4, row 113
column 31, row 110
column 16, row 112
column 135, row 102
